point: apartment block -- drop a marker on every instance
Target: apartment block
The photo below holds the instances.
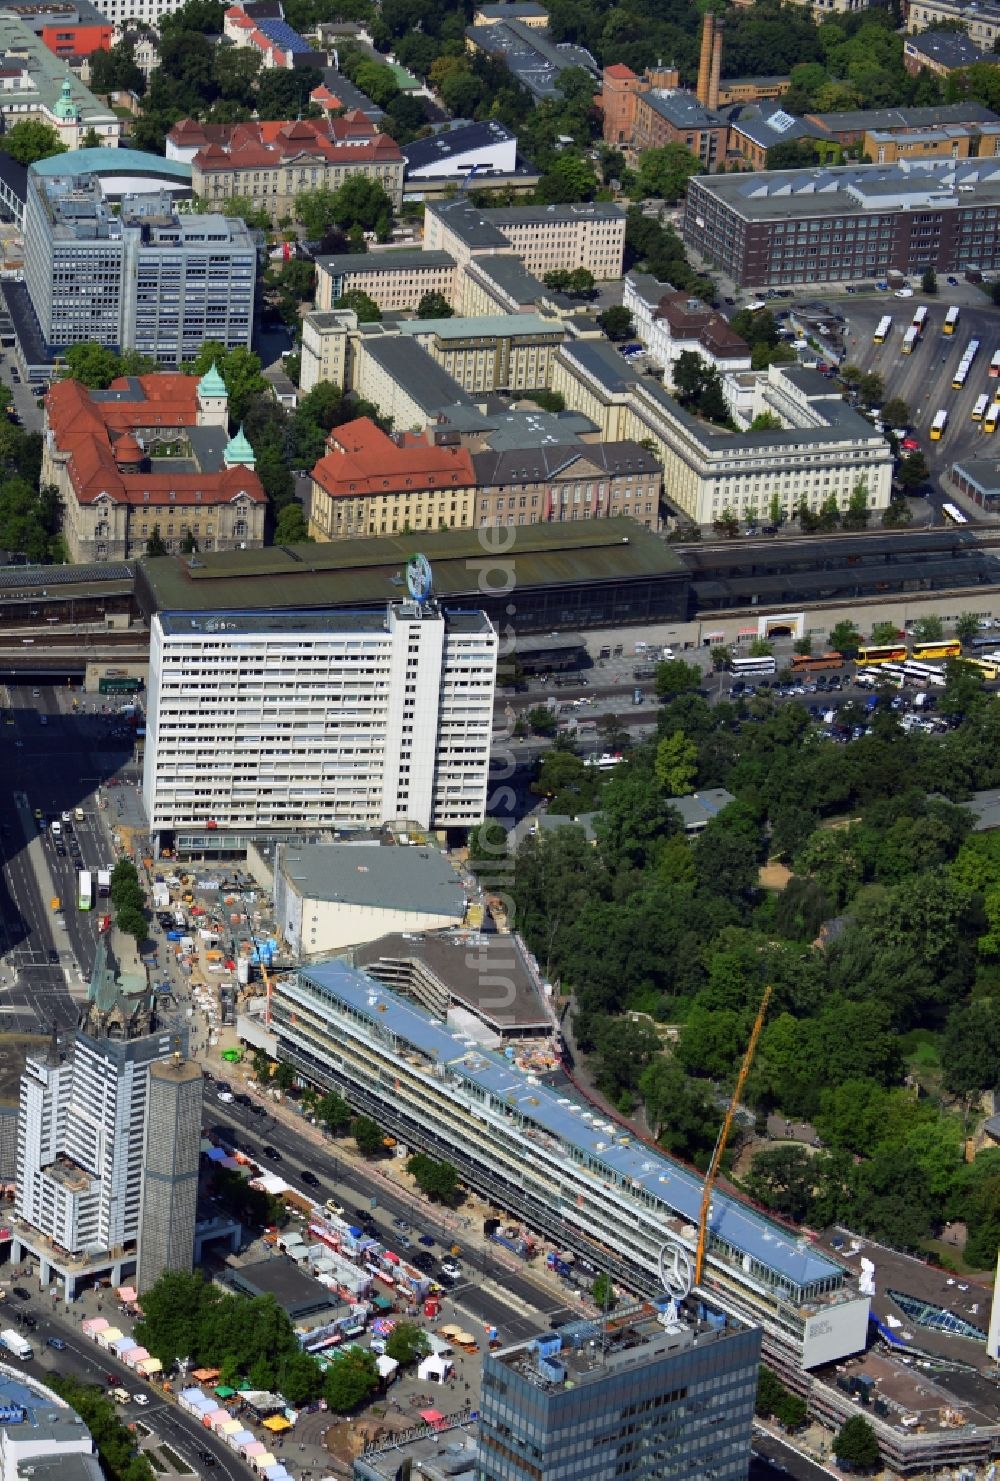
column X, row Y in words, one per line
column 395, row 373
column 527, row 486
column 823, row 448
column 271, row 164
column 809, row 226
column 658, row 1389
column 594, row 379
column 309, row 720
column 501, row 284
column 396, row 281
column 151, row 452
column 544, row 237
column 370, row 484
column 670, row 324
column 138, row 276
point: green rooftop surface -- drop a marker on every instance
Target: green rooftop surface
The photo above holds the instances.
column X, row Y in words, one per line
column 362, row 572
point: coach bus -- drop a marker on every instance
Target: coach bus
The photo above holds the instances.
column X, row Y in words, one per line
column 936, row 650
column 764, row 665
column 874, row 654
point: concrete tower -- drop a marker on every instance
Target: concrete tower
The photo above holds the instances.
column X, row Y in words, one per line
column 705, row 61
column 170, row 1174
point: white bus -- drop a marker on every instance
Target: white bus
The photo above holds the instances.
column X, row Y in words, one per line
column 995, row 366
column 938, row 425
column 961, row 375
column 952, row 512
column 971, row 350
column 882, row 332
column 980, row 409
column 925, row 673
column 910, row 339
column 764, row 665
column 951, row 320
column 992, row 417
column 920, row 319
column 85, row 891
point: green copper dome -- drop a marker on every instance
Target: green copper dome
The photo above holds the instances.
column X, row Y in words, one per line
column 211, row 383
column 239, row 451
column 65, row 109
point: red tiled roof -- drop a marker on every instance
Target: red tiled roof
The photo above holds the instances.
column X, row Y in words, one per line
column 91, row 431
column 248, row 152
column 363, row 460
column 620, row 71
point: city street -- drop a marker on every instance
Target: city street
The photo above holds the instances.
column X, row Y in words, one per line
column 55, row 767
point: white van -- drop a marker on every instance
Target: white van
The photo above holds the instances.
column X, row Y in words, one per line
column 56, row 827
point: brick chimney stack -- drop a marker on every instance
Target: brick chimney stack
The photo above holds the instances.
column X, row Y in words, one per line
column 716, row 73
column 705, row 63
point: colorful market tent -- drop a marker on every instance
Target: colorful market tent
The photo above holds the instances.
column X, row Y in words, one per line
column 277, row 1424
column 149, row 1366
column 224, row 1392
column 95, row 1324
column 128, row 1293
column 136, row 1355
column 261, row 1462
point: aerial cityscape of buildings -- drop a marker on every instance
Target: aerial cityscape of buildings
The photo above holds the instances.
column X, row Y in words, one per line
column 481, row 599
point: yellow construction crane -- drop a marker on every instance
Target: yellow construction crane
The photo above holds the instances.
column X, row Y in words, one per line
column 723, row 1137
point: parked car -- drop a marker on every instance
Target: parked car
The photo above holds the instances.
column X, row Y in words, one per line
column 428, row 1240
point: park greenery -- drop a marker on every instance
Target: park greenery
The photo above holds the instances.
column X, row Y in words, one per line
column 129, row 900
column 184, row 1317
column 120, row 1461
column 881, row 943
column 439, row 1180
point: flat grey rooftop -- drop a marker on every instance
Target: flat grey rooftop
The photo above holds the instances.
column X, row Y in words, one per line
column 784, row 194
column 271, row 624
column 417, row 372
column 382, row 876
column 406, row 260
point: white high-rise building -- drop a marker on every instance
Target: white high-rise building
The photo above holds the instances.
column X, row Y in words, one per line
column 264, row 721
column 81, row 1139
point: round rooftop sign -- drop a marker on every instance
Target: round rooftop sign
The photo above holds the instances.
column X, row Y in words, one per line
column 419, row 582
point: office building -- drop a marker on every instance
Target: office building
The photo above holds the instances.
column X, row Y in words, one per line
column 594, row 379
column 655, row 1390
column 549, row 1159
column 670, row 324
column 823, row 449
column 259, row 722
column 980, row 19
column 170, row 1171
column 813, row 226
column 544, row 237
column 529, row 54
column 663, row 118
column 394, row 280
column 497, row 352
column 325, row 344
column 136, row 275
column 36, row 83
column 271, row 164
column 82, row 1141
column 395, row 373
column 530, row 485
column 371, row 484
column 502, row 284
column 151, row 452
column 331, row 896
column 850, row 126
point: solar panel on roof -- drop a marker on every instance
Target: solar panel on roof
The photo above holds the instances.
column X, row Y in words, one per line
column 781, row 121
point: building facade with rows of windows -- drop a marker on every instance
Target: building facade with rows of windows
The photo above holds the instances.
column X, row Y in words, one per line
column 308, row 720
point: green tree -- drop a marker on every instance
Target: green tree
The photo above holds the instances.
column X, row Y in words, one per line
column 897, row 516
column 351, row 1377
column 335, row 1113
column 31, row 140
column 617, row 322
column 367, row 1136
column 91, row 364
column 895, row 413
column 366, row 308
column 676, row 764
column 761, row 648
column 132, row 922
column 845, row 638
column 568, row 179
column 783, row 1178
column 437, row 1179
column 913, row 471
column 765, row 421
column 284, row 1076
column 928, row 629
column 856, row 515
column 581, row 282
column 291, row 527
column 116, row 70
column 155, row 544
column 113, row 1439
column 967, row 626
column 434, row 306
column 189, row 544
column 542, row 720
column 603, row 1292
column 885, row 632
column 856, row 1445
column 871, row 388
column 928, row 281
column 663, row 173
column 679, row 1110
column 675, row 676
column 301, row 1379
column 406, row 1343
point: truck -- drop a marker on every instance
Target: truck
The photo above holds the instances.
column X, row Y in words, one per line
column 104, row 883
column 15, row 1344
